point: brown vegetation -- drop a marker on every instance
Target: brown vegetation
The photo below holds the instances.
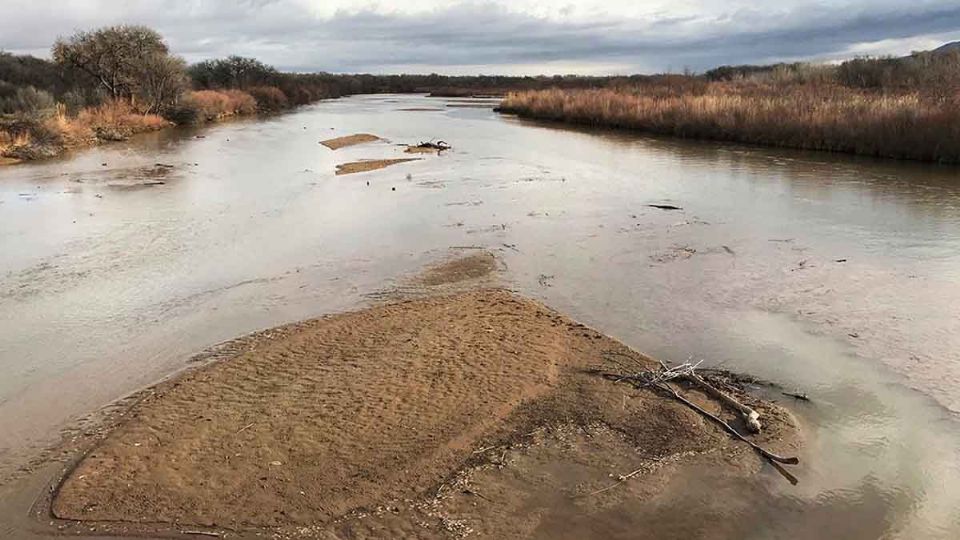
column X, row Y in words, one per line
column 813, row 116
column 269, row 98
column 117, row 120
column 37, row 137
column 212, row 105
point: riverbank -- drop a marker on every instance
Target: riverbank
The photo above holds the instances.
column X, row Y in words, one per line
column 824, row 117
column 51, row 133
column 452, row 412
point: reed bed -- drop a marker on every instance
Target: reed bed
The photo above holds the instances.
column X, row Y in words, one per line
column 831, row 118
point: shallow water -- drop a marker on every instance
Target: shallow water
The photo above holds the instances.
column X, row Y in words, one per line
column 106, row 286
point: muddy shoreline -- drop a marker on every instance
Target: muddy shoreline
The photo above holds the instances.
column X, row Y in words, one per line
column 564, row 426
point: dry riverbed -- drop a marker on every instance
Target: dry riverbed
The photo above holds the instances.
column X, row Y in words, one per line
column 453, row 408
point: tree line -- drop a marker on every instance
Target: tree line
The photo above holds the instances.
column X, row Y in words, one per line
column 933, row 73
column 133, row 63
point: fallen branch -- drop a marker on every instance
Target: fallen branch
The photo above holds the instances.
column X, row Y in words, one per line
column 750, row 417
column 772, row 458
column 439, row 146
column 688, row 373
column 769, row 455
column 660, row 379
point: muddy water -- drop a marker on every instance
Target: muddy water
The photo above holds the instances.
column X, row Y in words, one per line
column 838, row 277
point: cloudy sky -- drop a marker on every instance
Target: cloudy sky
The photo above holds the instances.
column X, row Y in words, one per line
column 502, row 36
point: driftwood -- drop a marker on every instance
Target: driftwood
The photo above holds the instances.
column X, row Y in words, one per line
column 771, row 458
column 750, row 417
column 439, row 146
column 665, row 206
column 767, row 454
column 660, row 379
column 687, row 372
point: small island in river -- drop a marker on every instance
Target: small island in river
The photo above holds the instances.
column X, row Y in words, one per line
column 452, row 405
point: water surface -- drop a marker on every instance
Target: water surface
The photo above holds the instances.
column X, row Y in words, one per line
column 836, row 276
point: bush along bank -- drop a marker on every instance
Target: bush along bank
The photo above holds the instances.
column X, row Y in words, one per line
column 48, row 133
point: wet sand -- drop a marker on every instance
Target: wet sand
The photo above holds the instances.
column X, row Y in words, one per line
column 468, row 411
column 349, row 140
column 367, row 165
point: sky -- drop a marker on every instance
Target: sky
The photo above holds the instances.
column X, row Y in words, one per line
column 513, row 37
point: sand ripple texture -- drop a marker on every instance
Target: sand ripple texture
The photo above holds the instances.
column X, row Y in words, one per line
column 324, row 416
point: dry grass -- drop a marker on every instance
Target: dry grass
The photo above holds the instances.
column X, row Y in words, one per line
column 7, row 140
column 73, row 132
column 117, row 120
column 811, row 116
column 50, row 134
column 218, row 104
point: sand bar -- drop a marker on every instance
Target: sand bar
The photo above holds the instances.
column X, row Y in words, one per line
column 389, row 421
column 349, row 140
column 354, row 167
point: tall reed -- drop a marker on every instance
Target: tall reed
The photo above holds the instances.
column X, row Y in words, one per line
column 817, row 117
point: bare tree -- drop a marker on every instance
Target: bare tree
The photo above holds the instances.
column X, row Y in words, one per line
column 127, row 61
column 163, row 80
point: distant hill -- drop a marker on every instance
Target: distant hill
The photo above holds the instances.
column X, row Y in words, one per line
column 955, row 46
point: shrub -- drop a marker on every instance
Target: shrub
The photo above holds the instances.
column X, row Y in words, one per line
column 117, row 120
column 26, row 99
column 39, row 136
column 269, row 98
column 935, row 73
column 182, row 114
column 207, row 105
column 30, row 137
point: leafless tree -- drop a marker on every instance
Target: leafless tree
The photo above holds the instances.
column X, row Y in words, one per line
column 127, row 61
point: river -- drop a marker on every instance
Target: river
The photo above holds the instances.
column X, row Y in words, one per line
column 836, row 276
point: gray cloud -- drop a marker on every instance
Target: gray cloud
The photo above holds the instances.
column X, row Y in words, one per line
column 485, row 36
